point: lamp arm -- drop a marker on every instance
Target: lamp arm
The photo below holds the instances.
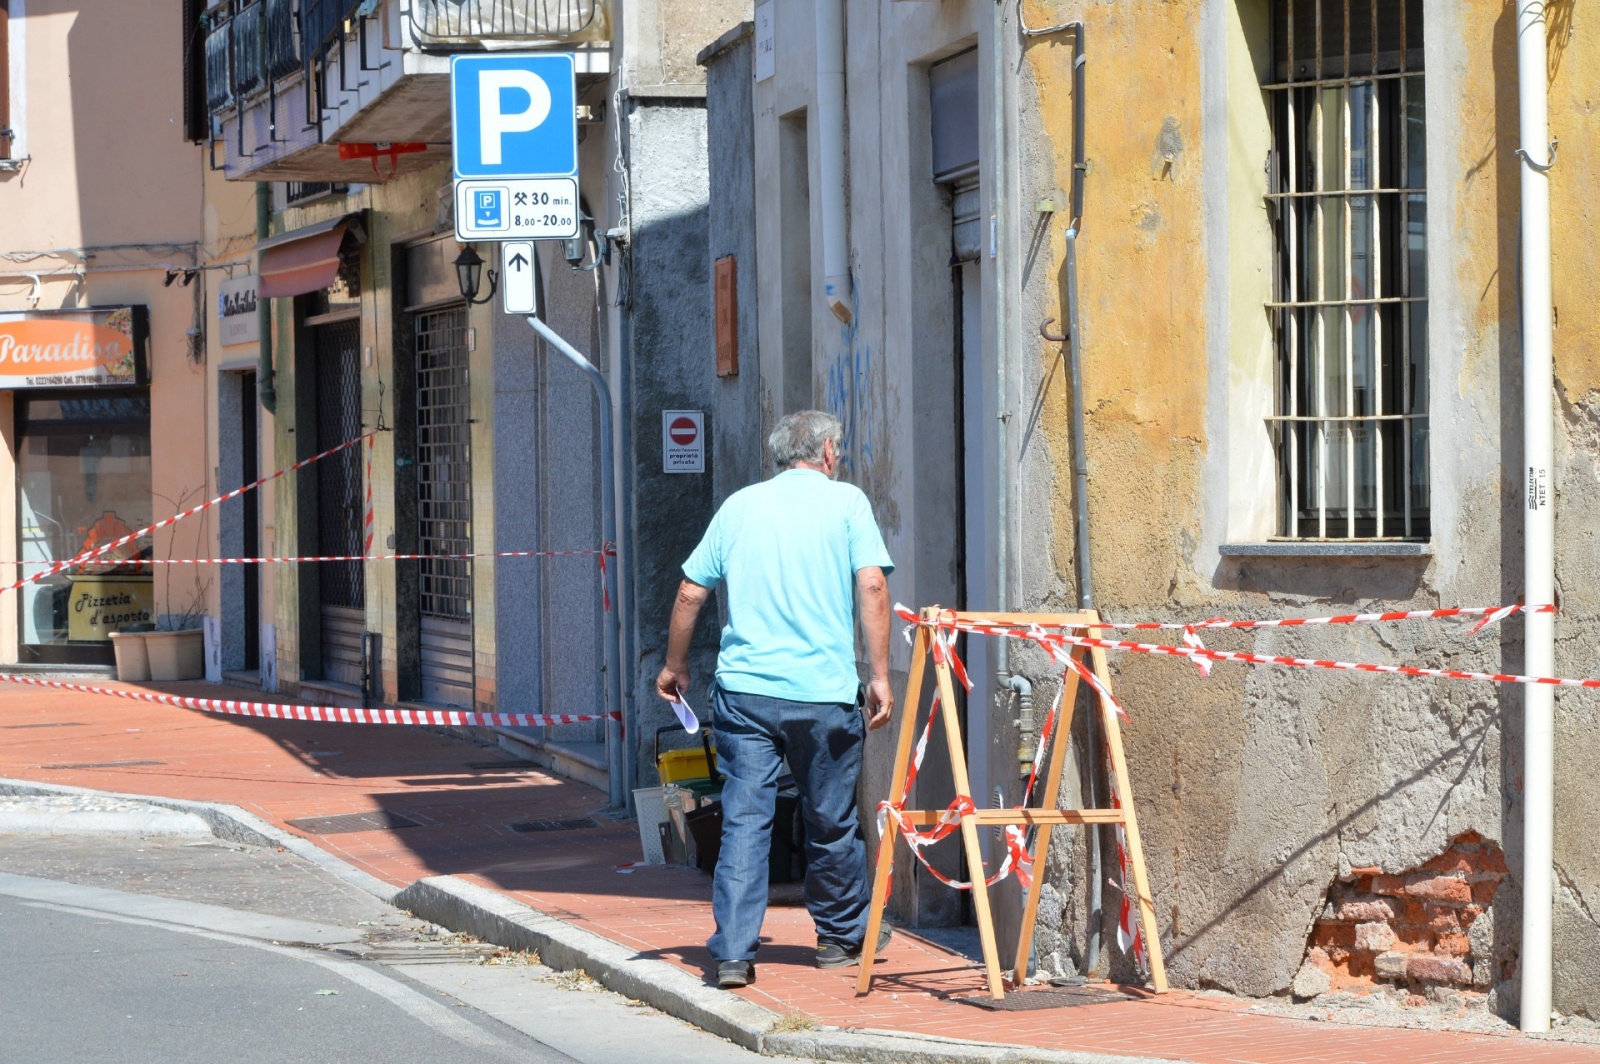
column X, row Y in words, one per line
column 494, row 280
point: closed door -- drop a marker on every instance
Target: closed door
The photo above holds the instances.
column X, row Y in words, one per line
column 444, row 507
column 249, row 470
column 342, row 584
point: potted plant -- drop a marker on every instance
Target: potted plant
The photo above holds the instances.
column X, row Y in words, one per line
column 177, row 649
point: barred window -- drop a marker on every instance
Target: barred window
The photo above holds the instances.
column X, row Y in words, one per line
column 1348, row 203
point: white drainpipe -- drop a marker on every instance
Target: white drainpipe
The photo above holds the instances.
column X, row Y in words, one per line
column 830, row 158
column 1539, row 540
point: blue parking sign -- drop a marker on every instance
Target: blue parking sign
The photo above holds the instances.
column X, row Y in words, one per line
column 486, row 208
column 514, row 116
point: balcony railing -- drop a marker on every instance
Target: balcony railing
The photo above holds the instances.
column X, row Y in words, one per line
column 323, row 20
column 248, row 55
column 250, row 49
column 465, row 23
column 283, row 51
column 219, row 69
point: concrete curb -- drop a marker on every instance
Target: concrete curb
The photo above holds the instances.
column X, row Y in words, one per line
column 466, row 907
column 862, row 1046
column 232, row 824
column 461, row 906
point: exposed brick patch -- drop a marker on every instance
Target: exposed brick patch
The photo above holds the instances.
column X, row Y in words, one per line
column 1410, row 928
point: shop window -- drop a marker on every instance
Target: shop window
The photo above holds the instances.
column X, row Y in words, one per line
column 83, row 480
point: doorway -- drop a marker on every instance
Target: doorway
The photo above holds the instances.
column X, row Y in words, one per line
column 239, row 525
column 341, row 584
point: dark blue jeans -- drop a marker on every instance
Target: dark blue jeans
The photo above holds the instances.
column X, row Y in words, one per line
column 822, row 741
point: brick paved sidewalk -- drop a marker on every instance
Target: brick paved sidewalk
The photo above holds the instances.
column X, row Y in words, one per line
column 464, row 801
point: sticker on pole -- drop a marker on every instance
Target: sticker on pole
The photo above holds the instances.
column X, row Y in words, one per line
column 683, row 441
column 516, row 278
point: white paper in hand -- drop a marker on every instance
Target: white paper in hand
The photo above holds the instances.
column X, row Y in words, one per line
column 686, row 717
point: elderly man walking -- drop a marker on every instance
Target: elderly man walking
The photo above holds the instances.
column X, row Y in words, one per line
column 802, row 558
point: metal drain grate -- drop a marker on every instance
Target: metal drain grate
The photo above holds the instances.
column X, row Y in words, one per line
column 58, row 724
column 1054, row 998
column 105, row 764
column 501, row 766
column 575, row 824
column 381, row 820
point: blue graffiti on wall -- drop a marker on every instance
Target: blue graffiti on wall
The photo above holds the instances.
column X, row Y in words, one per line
column 849, row 395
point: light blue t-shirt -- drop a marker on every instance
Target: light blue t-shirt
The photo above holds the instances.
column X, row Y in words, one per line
column 789, row 549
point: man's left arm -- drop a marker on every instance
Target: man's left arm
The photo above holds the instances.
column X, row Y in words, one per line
column 872, row 589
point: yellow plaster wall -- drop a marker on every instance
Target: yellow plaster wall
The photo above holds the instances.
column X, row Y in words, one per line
column 1141, row 271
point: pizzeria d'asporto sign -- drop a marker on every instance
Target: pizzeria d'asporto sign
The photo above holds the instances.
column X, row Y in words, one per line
column 74, row 348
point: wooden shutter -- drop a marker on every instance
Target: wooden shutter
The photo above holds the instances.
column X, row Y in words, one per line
column 5, row 79
column 196, row 122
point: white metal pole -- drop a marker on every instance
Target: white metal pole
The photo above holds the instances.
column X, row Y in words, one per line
column 836, row 287
column 616, row 730
column 1538, row 732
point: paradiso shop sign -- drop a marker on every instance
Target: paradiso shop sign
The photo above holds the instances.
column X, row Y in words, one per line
column 74, row 348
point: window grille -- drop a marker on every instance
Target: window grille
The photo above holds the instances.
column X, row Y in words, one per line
column 1348, row 204
column 298, row 192
column 444, row 463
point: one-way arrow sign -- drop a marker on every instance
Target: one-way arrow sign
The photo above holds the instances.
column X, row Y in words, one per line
column 517, row 270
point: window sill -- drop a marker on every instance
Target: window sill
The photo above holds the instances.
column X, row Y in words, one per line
column 1325, row 548
column 11, row 166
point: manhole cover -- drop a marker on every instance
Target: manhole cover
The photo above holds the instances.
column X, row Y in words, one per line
column 575, row 824
column 381, row 820
column 105, row 764
column 1052, row 998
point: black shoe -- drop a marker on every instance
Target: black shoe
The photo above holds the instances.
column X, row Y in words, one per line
column 833, row 955
column 733, row 974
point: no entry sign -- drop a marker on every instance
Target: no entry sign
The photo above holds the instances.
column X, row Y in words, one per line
column 683, row 441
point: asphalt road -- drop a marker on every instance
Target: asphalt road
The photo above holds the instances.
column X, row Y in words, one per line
column 185, row 949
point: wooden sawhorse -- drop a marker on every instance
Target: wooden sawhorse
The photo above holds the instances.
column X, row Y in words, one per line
column 1044, row 817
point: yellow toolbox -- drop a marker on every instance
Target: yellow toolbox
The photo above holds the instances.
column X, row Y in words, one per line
column 676, row 766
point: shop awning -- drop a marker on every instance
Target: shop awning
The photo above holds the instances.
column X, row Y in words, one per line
column 302, row 260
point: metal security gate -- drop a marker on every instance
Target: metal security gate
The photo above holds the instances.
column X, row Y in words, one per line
column 444, row 506
column 339, row 499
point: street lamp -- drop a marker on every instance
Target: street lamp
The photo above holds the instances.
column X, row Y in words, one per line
column 468, row 269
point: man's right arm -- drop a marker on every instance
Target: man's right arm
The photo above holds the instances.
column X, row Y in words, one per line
column 674, row 679
column 872, row 590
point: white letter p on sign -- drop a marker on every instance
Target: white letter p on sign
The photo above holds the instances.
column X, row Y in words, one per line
column 493, row 123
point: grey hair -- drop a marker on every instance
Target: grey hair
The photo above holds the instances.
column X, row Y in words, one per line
column 799, row 437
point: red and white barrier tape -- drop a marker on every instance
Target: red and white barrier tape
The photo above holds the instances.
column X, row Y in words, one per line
column 88, row 556
column 325, row 714
column 1044, row 637
column 1018, row 859
column 1489, row 615
column 587, row 552
column 1313, row 663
